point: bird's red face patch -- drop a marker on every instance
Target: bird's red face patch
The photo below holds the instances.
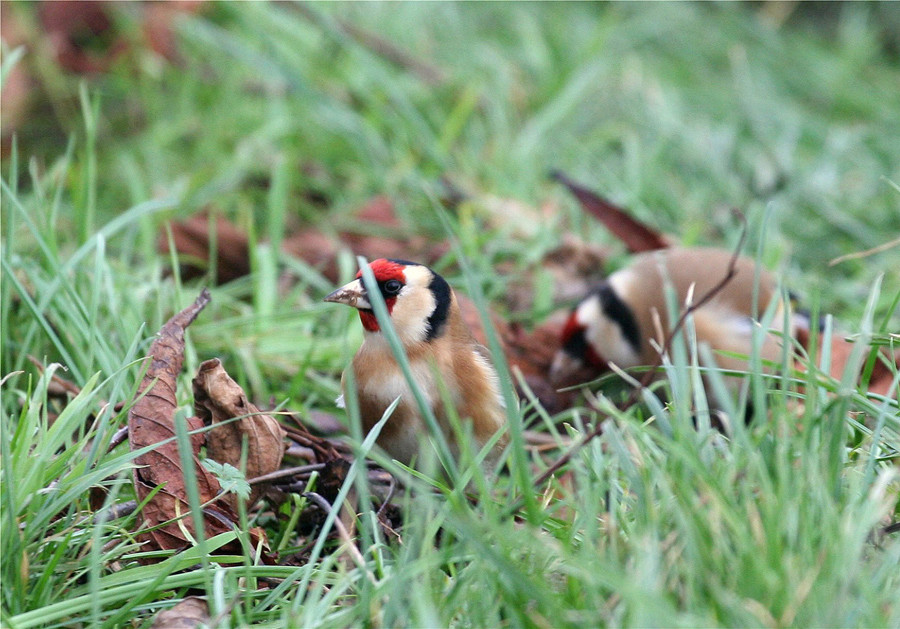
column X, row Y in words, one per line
column 384, row 271
column 369, row 321
column 576, row 344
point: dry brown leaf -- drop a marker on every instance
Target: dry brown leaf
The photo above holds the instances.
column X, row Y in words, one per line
column 192, row 241
column 571, row 270
column 191, row 612
column 316, row 249
column 576, row 267
column 636, row 236
column 151, row 421
column 84, row 36
column 376, row 216
column 217, row 399
column 68, row 26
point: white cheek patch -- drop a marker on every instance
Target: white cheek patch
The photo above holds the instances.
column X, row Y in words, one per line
column 605, row 335
column 414, row 305
column 588, row 312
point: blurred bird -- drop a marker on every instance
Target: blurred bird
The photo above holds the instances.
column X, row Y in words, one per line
column 616, row 322
column 442, row 355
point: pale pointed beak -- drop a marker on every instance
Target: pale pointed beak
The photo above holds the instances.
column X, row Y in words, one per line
column 352, row 294
column 567, row 370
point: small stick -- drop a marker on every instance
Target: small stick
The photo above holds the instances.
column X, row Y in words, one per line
column 288, row 471
column 341, row 529
column 390, row 494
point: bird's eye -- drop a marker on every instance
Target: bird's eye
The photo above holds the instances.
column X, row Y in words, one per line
column 392, row 287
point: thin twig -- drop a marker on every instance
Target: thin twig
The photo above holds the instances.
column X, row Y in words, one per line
column 341, row 529
column 288, row 471
column 115, row 511
column 119, row 437
column 58, row 385
column 390, row 494
column 864, row 254
column 322, row 447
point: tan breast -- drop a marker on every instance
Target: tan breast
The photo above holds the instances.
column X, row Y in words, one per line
column 451, row 359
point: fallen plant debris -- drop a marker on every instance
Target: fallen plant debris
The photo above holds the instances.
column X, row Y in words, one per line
column 87, row 38
column 194, row 243
column 635, row 235
column 84, row 37
column 159, row 477
column 218, row 400
column 16, row 96
column 68, row 25
column 191, row 612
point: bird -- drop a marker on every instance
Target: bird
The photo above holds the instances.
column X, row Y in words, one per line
column 442, row 355
column 620, row 319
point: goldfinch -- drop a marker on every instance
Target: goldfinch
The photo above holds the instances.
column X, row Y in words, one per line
column 616, row 322
column 442, row 354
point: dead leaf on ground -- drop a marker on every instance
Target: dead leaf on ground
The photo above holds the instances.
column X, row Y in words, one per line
column 84, row 37
column 576, row 267
column 192, row 242
column 532, row 353
column 81, row 34
column 151, row 421
column 191, row 612
column 218, row 398
column 635, row 235
column 377, row 232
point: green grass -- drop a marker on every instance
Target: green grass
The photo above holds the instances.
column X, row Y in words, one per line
column 677, row 111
